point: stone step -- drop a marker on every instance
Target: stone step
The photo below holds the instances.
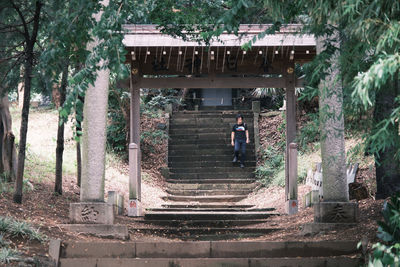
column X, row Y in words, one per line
column 207, row 206
column 207, row 158
column 201, row 152
column 209, row 125
column 208, row 142
column 212, row 249
column 209, row 135
column 246, row 116
column 203, row 133
column 207, row 120
column 200, row 170
column 180, row 192
column 222, row 175
column 221, row 186
column 211, row 181
column 205, row 146
column 195, row 232
column 194, row 164
column 214, row 215
column 205, row 223
column 197, row 262
column 205, row 199
column 210, row 209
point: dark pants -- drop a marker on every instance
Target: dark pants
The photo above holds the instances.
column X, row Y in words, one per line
column 240, row 145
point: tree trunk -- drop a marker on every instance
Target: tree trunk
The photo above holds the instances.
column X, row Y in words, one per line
column 60, row 133
column 78, row 146
column 21, row 90
column 8, row 156
column 30, row 43
column 387, row 168
column 78, row 163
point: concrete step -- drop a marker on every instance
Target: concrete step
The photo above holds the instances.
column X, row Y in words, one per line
column 207, row 120
column 194, row 164
column 222, row 175
column 206, row 125
column 246, row 116
column 209, row 142
column 203, row 230
column 181, row 262
column 210, row 249
column 221, row 186
column 202, row 130
column 199, row 170
column 208, row 158
column 211, row 209
column 180, row 192
column 201, row 152
column 207, row 206
column 205, row 223
column 205, row 146
column 205, row 199
column 207, row 215
column 206, row 136
column 211, row 181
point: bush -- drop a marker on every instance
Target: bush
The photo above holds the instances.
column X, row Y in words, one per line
column 389, row 231
column 273, row 162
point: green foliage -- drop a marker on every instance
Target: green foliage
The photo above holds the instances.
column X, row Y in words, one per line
column 14, row 228
column 389, row 229
column 273, row 163
column 149, row 139
column 388, row 254
column 309, row 133
column 7, row 255
column 3, row 242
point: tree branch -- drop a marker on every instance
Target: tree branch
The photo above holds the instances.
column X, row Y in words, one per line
column 21, row 16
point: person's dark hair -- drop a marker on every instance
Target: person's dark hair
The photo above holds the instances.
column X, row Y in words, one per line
column 239, row 116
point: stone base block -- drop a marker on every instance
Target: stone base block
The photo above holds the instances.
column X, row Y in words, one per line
column 335, row 212
column 91, row 212
column 315, row 228
column 292, row 206
column 101, row 230
column 135, row 208
column 117, row 200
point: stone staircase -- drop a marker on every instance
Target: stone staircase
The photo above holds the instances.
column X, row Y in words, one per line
column 204, row 185
column 205, row 253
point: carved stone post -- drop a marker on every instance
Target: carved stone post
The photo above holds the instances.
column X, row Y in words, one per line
column 92, row 208
column 335, row 207
column 291, row 205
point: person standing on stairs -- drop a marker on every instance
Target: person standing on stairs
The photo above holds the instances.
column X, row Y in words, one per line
column 239, row 139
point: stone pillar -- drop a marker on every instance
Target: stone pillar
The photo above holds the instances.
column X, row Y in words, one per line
column 134, row 208
column 335, row 207
column 92, row 208
column 290, row 126
column 292, row 206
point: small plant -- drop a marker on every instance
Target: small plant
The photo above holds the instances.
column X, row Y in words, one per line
column 3, row 242
column 7, row 255
column 15, row 228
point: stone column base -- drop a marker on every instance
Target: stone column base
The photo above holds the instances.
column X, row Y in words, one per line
column 336, row 212
column 292, row 206
column 91, row 212
column 135, row 208
column 101, row 230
